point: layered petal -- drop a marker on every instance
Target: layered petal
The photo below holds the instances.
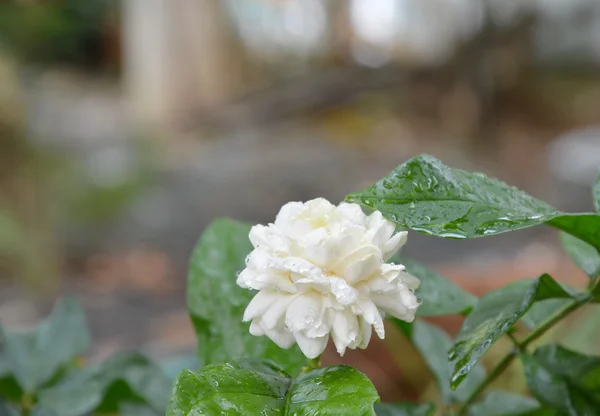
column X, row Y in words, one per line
column 320, row 271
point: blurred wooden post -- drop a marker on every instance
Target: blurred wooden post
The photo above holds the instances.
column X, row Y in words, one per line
column 146, row 59
column 179, row 58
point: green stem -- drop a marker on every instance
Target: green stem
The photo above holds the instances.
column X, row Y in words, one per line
column 26, row 404
column 521, row 345
column 549, row 323
column 312, row 365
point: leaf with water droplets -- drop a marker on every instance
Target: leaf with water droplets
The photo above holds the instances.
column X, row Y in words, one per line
column 404, row 409
column 433, row 344
column 427, row 196
column 500, row 403
column 259, row 387
column 493, row 317
column 583, row 255
column 564, row 380
column 438, row 295
column 216, row 303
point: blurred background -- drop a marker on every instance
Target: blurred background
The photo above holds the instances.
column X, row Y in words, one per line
column 126, row 126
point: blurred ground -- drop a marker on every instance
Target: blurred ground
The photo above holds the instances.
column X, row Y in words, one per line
column 129, row 273
column 107, row 207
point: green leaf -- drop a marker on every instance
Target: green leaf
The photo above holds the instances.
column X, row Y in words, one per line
column 122, row 379
column 259, row 387
column 439, row 295
column 564, row 380
column 433, row 344
column 216, row 303
column 596, row 193
column 493, row 316
column 9, row 388
column 596, row 292
column 499, row 403
column 585, row 256
column 586, row 227
column 404, row 409
column 34, row 358
column 427, row 196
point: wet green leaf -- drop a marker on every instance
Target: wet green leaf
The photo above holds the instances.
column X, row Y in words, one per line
column 427, row 196
column 9, row 388
column 122, row 379
column 585, row 256
column 434, row 344
column 216, row 303
column 596, row 292
column 499, row 403
column 259, row 387
column 586, row 227
column 34, row 358
column 493, row 316
column 439, row 295
column 564, row 380
column 404, row 409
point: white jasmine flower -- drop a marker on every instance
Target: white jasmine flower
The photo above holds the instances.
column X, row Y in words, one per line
column 320, row 271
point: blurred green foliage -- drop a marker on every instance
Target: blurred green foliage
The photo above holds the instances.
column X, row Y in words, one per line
column 55, row 31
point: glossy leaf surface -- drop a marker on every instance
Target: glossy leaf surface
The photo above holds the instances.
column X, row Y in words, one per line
column 404, row 409
column 427, row 196
column 493, row 316
column 586, row 227
column 564, row 380
column 34, row 358
column 122, row 379
column 434, row 344
column 498, row 403
column 585, row 256
column 216, row 303
column 439, row 296
column 259, row 387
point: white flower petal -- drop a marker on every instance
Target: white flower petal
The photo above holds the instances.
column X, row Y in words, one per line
column 260, row 303
column 320, row 272
column 380, row 229
column 394, row 304
column 345, row 330
column 288, row 213
column 359, row 264
column 305, row 312
column 256, row 329
column 394, row 244
column 353, row 212
column 281, row 336
column 371, row 315
column 362, row 269
column 311, row 347
column 365, row 330
column 246, row 278
column 275, row 315
column 274, row 280
column 409, row 280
